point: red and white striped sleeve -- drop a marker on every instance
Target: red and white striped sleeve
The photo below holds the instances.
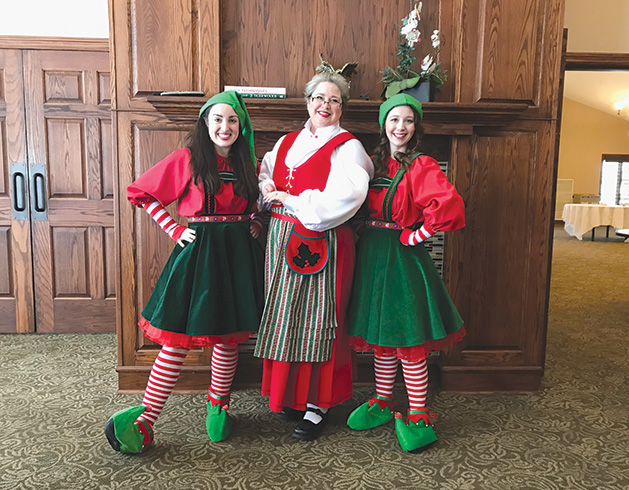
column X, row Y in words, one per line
column 164, row 219
column 412, row 238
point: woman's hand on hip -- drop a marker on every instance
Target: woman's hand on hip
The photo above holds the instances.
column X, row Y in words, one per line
column 188, row 236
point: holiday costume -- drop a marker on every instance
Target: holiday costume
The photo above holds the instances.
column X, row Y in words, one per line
column 400, row 308
column 210, row 292
column 399, row 305
column 217, row 275
column 309, row 267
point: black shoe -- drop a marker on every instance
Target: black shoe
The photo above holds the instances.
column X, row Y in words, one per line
column 309, row 431
column 291, row 415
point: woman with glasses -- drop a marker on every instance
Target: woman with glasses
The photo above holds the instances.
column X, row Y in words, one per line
column 315, row 180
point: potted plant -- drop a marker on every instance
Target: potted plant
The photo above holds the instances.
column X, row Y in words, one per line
column 403, row 78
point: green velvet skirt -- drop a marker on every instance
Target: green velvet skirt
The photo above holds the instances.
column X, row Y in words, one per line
column 210, row 291
column 398, row 298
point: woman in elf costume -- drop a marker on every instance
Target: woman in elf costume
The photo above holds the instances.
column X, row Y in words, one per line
column 316, row 179
column 210, row 293
column 400, row 308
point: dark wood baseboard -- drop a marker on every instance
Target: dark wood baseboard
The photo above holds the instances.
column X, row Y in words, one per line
column 466, row 379
column 195, row 379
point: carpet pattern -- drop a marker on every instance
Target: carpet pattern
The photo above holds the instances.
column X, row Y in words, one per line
column 57, row 391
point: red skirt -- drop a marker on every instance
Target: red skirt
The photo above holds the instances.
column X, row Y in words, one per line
column 324, row 384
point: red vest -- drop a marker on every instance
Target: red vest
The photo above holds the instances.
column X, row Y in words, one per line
column 313, row 173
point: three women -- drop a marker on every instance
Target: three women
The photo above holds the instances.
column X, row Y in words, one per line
column 315, row 180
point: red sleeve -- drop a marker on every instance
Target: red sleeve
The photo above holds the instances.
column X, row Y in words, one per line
column 166, row 181
column 440, row 204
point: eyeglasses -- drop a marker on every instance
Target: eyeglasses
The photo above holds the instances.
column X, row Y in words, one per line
column 319, row 99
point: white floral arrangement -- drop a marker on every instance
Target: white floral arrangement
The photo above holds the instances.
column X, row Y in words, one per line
column 403, row 77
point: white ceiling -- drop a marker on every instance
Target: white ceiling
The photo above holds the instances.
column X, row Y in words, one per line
column 598, row 89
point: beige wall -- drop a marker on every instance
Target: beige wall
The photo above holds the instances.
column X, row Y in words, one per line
column 597, row 26
column 587, row 134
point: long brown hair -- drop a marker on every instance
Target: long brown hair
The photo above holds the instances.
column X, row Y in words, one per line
column 203, row 163
column 383, row 151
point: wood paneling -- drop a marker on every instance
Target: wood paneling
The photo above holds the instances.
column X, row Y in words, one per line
column 178, row 46
column 163, row 46
column 163, row 33
column 278, row 43
column 67, row 115
column 500, row 284
column 144, row 139
column 508, row 51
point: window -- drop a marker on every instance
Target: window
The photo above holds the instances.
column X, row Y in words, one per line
column 615, row 180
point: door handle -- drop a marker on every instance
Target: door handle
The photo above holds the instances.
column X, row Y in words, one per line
column 19, row 191
column 39, row 208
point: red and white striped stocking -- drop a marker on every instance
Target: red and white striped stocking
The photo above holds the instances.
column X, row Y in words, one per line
column 224, row 363
column 385, row 370
column 164, row 375
column 416, row 379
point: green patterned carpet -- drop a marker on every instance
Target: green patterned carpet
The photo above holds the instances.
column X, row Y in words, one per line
column 58, row 391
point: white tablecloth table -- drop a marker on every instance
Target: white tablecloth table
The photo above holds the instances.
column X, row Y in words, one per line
column 581, row 218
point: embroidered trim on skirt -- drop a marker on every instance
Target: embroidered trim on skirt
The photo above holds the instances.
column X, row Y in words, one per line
column 210, row 291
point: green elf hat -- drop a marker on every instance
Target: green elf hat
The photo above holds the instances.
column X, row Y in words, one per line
column 234, row 99
column 396, row 100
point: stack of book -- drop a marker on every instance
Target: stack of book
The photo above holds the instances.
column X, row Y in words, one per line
column 259, row 92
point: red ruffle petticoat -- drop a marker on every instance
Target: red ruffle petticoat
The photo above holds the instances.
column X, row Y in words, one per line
column 173, row 339
column 411, row 353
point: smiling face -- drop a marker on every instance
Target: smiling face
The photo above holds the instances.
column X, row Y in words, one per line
column 399, row 127
column 325, row 105
column 223, row 127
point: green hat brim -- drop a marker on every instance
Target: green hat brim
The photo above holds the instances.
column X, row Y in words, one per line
column 396, row 100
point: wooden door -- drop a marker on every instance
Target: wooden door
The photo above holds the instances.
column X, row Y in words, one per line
column 16, row 272
column 67, row 100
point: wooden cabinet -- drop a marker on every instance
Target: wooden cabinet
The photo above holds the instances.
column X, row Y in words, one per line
column 495, row 122
column 56, row 209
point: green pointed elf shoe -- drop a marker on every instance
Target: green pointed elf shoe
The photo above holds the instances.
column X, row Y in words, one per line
column 126, row 435
column 373, row 413
column 417, row 433
column 218, row 423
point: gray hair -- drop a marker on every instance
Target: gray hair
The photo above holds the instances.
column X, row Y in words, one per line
column 336, row 78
